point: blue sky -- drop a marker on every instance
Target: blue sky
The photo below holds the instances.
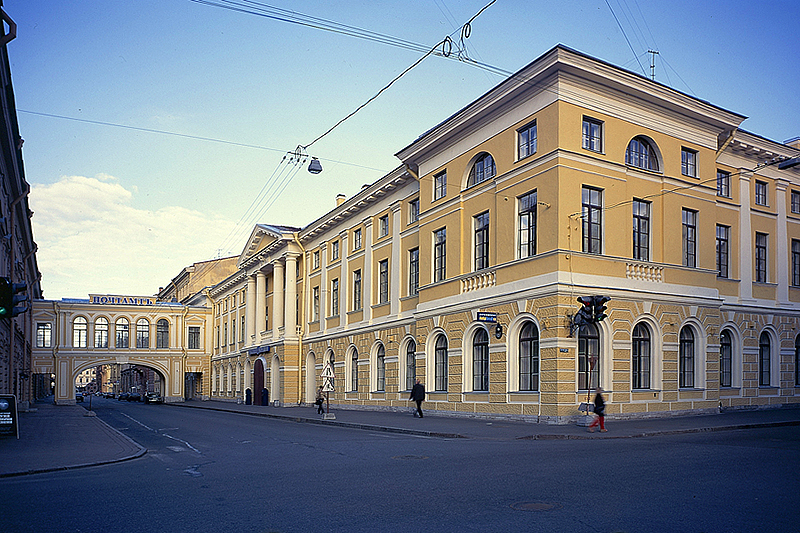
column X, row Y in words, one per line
column 121, row 210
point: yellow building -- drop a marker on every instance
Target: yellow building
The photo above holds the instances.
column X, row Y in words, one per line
column 572, row 178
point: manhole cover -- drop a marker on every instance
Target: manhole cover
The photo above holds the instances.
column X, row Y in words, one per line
column 410, row 457
column 535, row 506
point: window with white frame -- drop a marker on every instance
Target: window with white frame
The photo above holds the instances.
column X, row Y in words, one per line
column 761, row 193
column 723, row 236
column 641, row 230
column 641, row 154
column 723, row 183
column 79, row 331
column 764, row 363
column 483, row 169
column 592, row 214
column 689, row 162
column 529, row 357
column 640, row 357
column 383, row 226
column 383, row 281
column 357, row 306
column 689, row 221
column 357, row 239
column 725, row 358
column 440, row 364
column 411, row 364
column 592, row 134
column 193, row 339
column 162, row 333
column 101, row 332
column 334, row 250
column 380, row 369
column 439, row 255
column 142, row 333
column 440, row 185
column 761, row 257
column 526, row 220
column 686, row 356
column 527, row 139
column 315, row 304
column 413, row 211
column 413, row 272
column 335, row 297
column 481, row 223
column 122, row 330
column 795, row 202
column 480, row 360
column 44, row 335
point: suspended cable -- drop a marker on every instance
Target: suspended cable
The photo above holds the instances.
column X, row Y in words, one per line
column 626, row 37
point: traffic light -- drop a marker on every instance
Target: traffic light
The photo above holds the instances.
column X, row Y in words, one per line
column 18, row 298
column 6, row 298
column 584, row 315
column 9, row 298
column 599, row 307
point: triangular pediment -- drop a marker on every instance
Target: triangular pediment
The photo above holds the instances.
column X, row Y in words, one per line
column 265, row 236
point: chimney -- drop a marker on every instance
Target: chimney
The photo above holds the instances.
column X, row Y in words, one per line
column 340, row 198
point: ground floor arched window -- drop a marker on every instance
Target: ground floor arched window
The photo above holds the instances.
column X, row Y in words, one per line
column 640, row 357
column 529, row 357
column 725, row 359
column 686, row 358
column 480, row 361
column 588, row 357
column 440, row 361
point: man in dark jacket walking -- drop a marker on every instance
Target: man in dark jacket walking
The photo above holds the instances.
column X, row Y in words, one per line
column 418, row 395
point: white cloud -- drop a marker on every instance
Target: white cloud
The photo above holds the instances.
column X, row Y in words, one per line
column 93, row 240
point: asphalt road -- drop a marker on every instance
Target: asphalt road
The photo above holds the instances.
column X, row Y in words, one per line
column 212, row 471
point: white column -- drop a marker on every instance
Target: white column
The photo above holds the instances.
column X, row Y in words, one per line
column 396, row 261
column 259, row 324
column 344, row 282
column 277, row 299
column 782, row 253
column 323, row 288
column 250, row 310
column 366, row 276
column 290, row 305
column 745, row 239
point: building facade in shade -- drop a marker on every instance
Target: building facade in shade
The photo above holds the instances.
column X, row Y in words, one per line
column 17, row 247
column 571, row 178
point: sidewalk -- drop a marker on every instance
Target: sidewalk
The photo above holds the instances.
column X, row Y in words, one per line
column 62, row 437
column 447, row 426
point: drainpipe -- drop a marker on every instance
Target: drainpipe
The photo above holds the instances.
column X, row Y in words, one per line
column 305, row 290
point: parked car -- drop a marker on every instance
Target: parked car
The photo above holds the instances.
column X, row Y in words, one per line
column 134, row 397
column 78, row 397
column 123, row 396
column 153, row 397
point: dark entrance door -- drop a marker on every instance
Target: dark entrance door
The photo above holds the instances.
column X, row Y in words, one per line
column 258, row 381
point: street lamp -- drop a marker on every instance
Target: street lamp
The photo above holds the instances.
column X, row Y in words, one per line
column 315, row 167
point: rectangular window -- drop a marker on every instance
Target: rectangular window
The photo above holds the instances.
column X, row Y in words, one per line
column 357, row 239
column 383, row 281
column 795, row 263
column 592, row 134
column 688, row 162
column 723, row 236
column 334, row 250
column 242, row 330
column 689, row 238
column 592, row 211
column 335, row 297
column 413, row 272
column 482, row 241
column 526, row 218
column 194, row 338
column 413, row 210
column 315, row 305
column 44, row 335
column 641, row 230
column 761, row 193
column 527, row 140
column 316, row 260
column 439, row 255
column 440, row 185
column 795, row 205
column 761, row 257
column 357, row 290
column 383, row 226
column 723, row 183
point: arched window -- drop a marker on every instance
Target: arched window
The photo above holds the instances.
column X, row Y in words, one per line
column 764, row 360
column 142, row 333
column 686, row 358
column 440, row 361
column 354, row 370
column 641, row 357
column 101, row 333
column 725, row 359
column 588, row 357
column 79, row 330
column 529, row 358
column 640, row 154
column 482, row 170
column 480, row 361
column 411, row 364
column 162, row 333
column 122, row 330
column 380, row 368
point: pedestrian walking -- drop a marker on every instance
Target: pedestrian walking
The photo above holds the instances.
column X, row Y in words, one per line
column 320, row 400
column 418, row 395
column 600, row 411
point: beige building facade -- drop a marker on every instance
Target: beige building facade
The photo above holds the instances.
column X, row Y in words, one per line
column 571, row 178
